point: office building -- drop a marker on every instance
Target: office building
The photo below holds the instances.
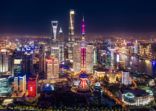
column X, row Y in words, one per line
column 52, row 68
column 20, row 83
column 5, row 86
column 126, row 79
column 5, row 61
column 32, row 87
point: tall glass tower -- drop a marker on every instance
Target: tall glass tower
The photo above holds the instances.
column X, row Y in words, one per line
column 54, row 29
column 71, row 24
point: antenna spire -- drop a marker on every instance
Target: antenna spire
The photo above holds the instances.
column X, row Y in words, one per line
column 83, row 26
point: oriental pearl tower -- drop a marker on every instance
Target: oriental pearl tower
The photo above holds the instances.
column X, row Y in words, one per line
column 83, row 47
column 84, row 81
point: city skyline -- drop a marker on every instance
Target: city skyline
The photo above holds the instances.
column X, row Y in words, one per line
column 75, row 55
column 30, row 17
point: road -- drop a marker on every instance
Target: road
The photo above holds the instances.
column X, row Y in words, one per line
column 112, row 96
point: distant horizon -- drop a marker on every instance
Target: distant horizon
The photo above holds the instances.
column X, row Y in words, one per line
column 104, row 35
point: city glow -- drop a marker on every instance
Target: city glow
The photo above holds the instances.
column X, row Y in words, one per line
column 63, row 66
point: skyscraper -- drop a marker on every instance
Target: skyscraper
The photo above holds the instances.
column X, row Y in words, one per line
column 57, row 50
column 89, row 58
column 60, row 35
column 71, row 25
column 28, row 65
column 32, row 87
column 57, row 43
column 54, row 29
column 61, row 45
column 52, row 68
column 5, row 87
column 76, row 58
column 71, row 37
column 5, row 61
column 126, row 78
column 20, row 83
column 17, row 67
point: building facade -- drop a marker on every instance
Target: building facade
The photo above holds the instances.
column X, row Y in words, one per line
column 52, row 68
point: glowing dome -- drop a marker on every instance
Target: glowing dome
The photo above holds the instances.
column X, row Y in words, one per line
column 83, row 43
column 97, row 84
column 76, row 82
column 47, row 88
column 149, row 92
column 129, row 95
column 83, row 75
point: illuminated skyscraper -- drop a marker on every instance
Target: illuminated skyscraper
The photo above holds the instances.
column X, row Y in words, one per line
column 71, row 37
column 32, row 87
column 52, row 68
column 95, row 56
column 4, row 61
column 42, row 54
column 71, row 25
column 23, row 60
column 145, row 49
column 60, row 31
column 126, row 80
column 112, row 51
column 136, row 47
column 76, row 58
column 20, row 83
column 60, row 35
column 89, row 58
column 61, row 57
column 54, row 29
column 70, row 50
column 61, row 45
column 28, row 68
column 57, row 44
column 17, row 67
column 57, row 50
column 5, row 87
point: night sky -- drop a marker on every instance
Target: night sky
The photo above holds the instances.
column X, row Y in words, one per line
column 34, row 16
